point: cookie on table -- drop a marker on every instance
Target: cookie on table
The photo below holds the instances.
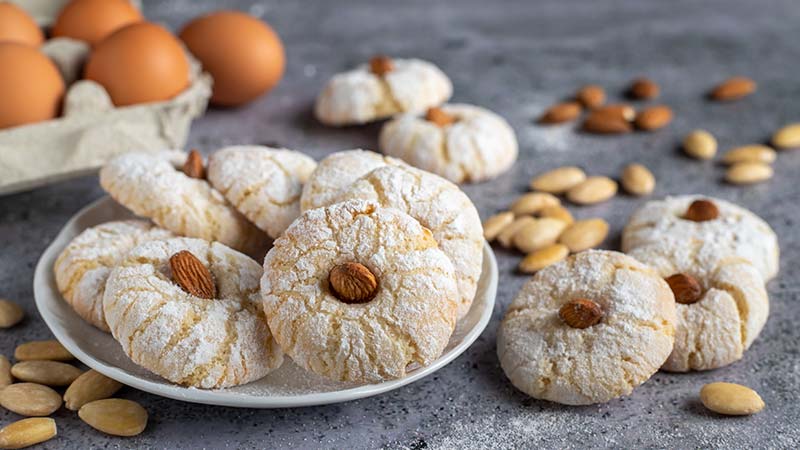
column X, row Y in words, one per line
column 716, row 230
column 439, row 206
column 587, row 329
column 263, row 183
column 208, row 342
column 336, row 172
column 358, row 292
column 381, row 89
column 462, row 143
column 151, row 187
column 82, row 268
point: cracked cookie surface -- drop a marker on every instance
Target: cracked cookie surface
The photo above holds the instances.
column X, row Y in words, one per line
column 409, row 319
column 547, row 359
column 192, row 341
column 477, row 146
column 263, row 183
column 83, row 267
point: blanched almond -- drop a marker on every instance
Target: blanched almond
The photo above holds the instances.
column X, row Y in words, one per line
column 700, row 144
column 638, row 180
column 538, row 234
column 731, row 399
column 561, row 112
column 533, row 202
column 90, row 386
column 584, row 234
column 49, row 373
column 495, row 224
column 544, row 257
column 26, row 432
column 593, row 190
column 787, row 137
column 51, row 350
column 30, row 399
column 115, row 416
column 558, row 180
column 10, row 313
column 748, row 173
column 557, row 212
column 5, row 372
column 506, row 237
column 750, row 153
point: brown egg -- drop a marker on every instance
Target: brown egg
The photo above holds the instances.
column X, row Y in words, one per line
column 243, row 54
column 139, row 63
column 17, row 26
column 31, row 87
column 94, row 20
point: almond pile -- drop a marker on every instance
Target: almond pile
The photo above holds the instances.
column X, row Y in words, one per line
column 747, row 164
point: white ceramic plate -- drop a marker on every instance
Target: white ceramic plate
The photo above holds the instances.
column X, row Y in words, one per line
column 288, row 386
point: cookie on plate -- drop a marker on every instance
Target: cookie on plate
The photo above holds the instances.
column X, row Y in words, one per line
column 151, row 187
column 263, row 183
column 208, row 332
column 439, row 206
column 462, row 143
column 381, row 89
column 358, row 292
column 82, row 268
column 587, row 329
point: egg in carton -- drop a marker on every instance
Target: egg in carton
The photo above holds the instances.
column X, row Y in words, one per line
column 44, row 12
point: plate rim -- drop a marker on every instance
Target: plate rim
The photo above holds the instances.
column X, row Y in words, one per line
column 220, row 397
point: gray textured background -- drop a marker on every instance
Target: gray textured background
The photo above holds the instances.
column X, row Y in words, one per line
column 515, row 58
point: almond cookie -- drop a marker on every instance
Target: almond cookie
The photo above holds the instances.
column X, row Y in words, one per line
column 381, row 89
column 717, row 230
column 263, row 183
column 151, row 187
column 336, row 172
column 587, row 329
column 439, row 206
column 82, row 268
column 358, row 292
column 467, row 144
column 210, row 341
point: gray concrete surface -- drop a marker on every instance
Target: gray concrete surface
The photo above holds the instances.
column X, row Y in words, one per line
column 516, row 58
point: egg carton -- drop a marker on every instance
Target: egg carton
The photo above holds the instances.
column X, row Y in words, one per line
column 44, row 12
column 90, row 129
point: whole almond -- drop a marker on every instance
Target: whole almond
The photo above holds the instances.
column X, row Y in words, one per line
column 604, row 123
column 192, row 275
column 638, row 180
column 787, row 137
column 685, row 288
column 584, row 234
column 561, row 112
column 538, row 234
column 701, row 210
column 30, row 399
column 115, row 416
column 622, row 111
column 26, row 432
column 10, row 313
column 581, row 313
column 733, row 88
column 654, row 118
column 50, row 350
column 90, row 386
column 644, row 89
column 381, row 65
column 592, row 190
column 5, row 372
column 533, row 202
column 353, row 282
column 439, row 117
column 748, row 173
column 506, row 237
column 495, row 224
column 731, row 399
column 750, row 153
column 591, row 96
column 557, row 212
column 700, row 144
column 49, row 373
column 193, row 167
column 558, row 180
column 543, row 257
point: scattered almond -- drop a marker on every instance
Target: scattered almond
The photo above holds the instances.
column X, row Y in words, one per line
column 506, row 237
column 731, row 399
column 88, row 387
column 733, row 89
column 439, row 117
column 748, row 173
column 700, row 144
column 26, row 432
column 543, row 257
column 50, row 350
column 604, row 123
column 5, row 372
column 533, row 202
column 193, row 167
column 591, row 96
column 557, row 212
column 622, row 111
column 30, row 399
column 49, row 373
column 10, row 313
column 644, row 89
column 353, row 282
column 558, row 180
column 381, row 65
column 581, row 313
column 592, row 190
column 561, row 112
column 750, row 153
column 654, row 118
column 115, row 416
column 787, row 137
column 538, row 234
column 638, row 180
column 584, row 234
column 192, row 275
column 685, row 288
column 495, row 224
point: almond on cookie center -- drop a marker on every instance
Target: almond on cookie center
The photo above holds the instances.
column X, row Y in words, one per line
column 353, row 282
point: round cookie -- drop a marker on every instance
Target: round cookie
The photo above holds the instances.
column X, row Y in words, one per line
column 207, row 343
column 548, row 359
column 439, row 206
column 478, row 145
column 151, row 187
column 735, row 232
column 82, row 268
column 338, row 171
column 263, row 183
column 366, row 94
column 406, row 316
